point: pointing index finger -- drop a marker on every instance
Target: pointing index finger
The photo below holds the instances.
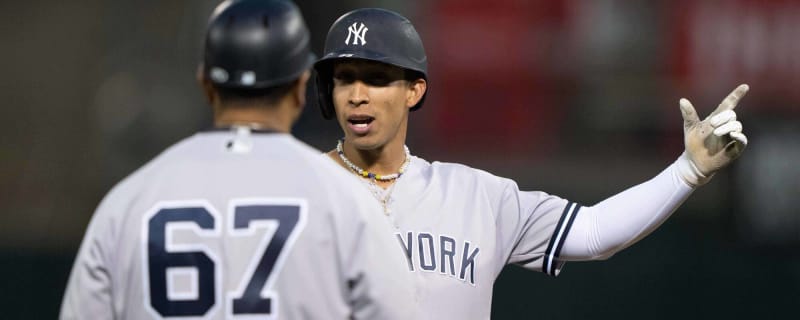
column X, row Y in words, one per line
column 732, row 99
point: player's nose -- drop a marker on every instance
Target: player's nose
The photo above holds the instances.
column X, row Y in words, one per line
column 358, row 94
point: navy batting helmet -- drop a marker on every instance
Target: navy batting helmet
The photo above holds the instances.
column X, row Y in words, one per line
column 370, row 34
column 256, row 44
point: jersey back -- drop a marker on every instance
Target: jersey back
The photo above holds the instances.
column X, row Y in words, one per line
column 228, row 225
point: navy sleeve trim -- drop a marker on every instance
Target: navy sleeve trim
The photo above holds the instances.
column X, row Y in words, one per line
column 551, row 263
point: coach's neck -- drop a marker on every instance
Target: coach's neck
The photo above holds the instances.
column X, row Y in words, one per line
column 277, row 117
column 277, row 114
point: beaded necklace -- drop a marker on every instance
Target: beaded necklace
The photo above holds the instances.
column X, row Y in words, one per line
column 370, row 175
column 383, row 196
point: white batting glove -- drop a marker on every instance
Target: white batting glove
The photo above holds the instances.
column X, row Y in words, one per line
column 713, row 143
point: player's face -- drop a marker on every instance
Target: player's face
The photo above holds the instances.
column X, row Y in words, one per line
column 372, row 101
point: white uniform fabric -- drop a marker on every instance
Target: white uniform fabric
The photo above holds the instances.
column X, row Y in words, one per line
column 459, row 227
column 219, row 223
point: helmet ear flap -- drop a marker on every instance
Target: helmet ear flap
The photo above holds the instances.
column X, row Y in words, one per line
column 324, row 94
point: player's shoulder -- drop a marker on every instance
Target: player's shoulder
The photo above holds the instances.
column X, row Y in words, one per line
column 461, row 176
column 460, row 171
column 450, row 167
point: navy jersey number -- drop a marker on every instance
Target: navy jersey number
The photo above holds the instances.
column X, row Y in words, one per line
column 251, row 301
column 160, row 259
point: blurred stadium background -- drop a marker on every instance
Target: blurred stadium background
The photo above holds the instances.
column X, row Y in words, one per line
column 576, row 98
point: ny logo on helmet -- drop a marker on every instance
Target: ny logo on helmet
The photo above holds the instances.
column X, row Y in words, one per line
column 357, row 32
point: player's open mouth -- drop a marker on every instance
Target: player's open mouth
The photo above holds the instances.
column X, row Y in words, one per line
column 360, row 124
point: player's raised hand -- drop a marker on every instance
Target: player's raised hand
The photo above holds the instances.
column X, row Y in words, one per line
column 714, row 142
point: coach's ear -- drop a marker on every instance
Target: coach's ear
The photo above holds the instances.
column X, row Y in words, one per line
column 416, row 90
column 300, row 89
column 205, row 84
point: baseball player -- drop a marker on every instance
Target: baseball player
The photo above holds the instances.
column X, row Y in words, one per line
column 242, row 221
column 457, row 226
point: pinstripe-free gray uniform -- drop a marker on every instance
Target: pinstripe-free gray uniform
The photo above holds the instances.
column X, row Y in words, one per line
column 458, row 228
column 226, row 225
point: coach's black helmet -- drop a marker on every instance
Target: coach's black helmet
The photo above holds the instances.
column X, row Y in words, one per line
column 256, row 44
column 370, row 34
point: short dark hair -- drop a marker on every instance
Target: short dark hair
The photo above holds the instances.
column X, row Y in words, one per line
column 254, row 96
column 411, row 75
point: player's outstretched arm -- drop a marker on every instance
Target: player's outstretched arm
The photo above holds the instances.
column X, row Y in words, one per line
column 601, row 230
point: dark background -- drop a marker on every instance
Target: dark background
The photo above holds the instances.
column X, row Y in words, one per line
column 576, row 98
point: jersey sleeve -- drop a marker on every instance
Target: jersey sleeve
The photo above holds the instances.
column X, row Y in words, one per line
column 534, row 226
column 88, row 292
column 90, row 288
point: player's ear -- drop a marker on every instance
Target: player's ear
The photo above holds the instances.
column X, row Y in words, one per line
column 416, row 90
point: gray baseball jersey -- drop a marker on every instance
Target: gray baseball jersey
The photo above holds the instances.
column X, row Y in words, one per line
column 228, row 225
column 459, row 226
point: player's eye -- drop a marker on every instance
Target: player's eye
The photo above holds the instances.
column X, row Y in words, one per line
column 380, row 78
column 344, row 76
column 377, row 79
